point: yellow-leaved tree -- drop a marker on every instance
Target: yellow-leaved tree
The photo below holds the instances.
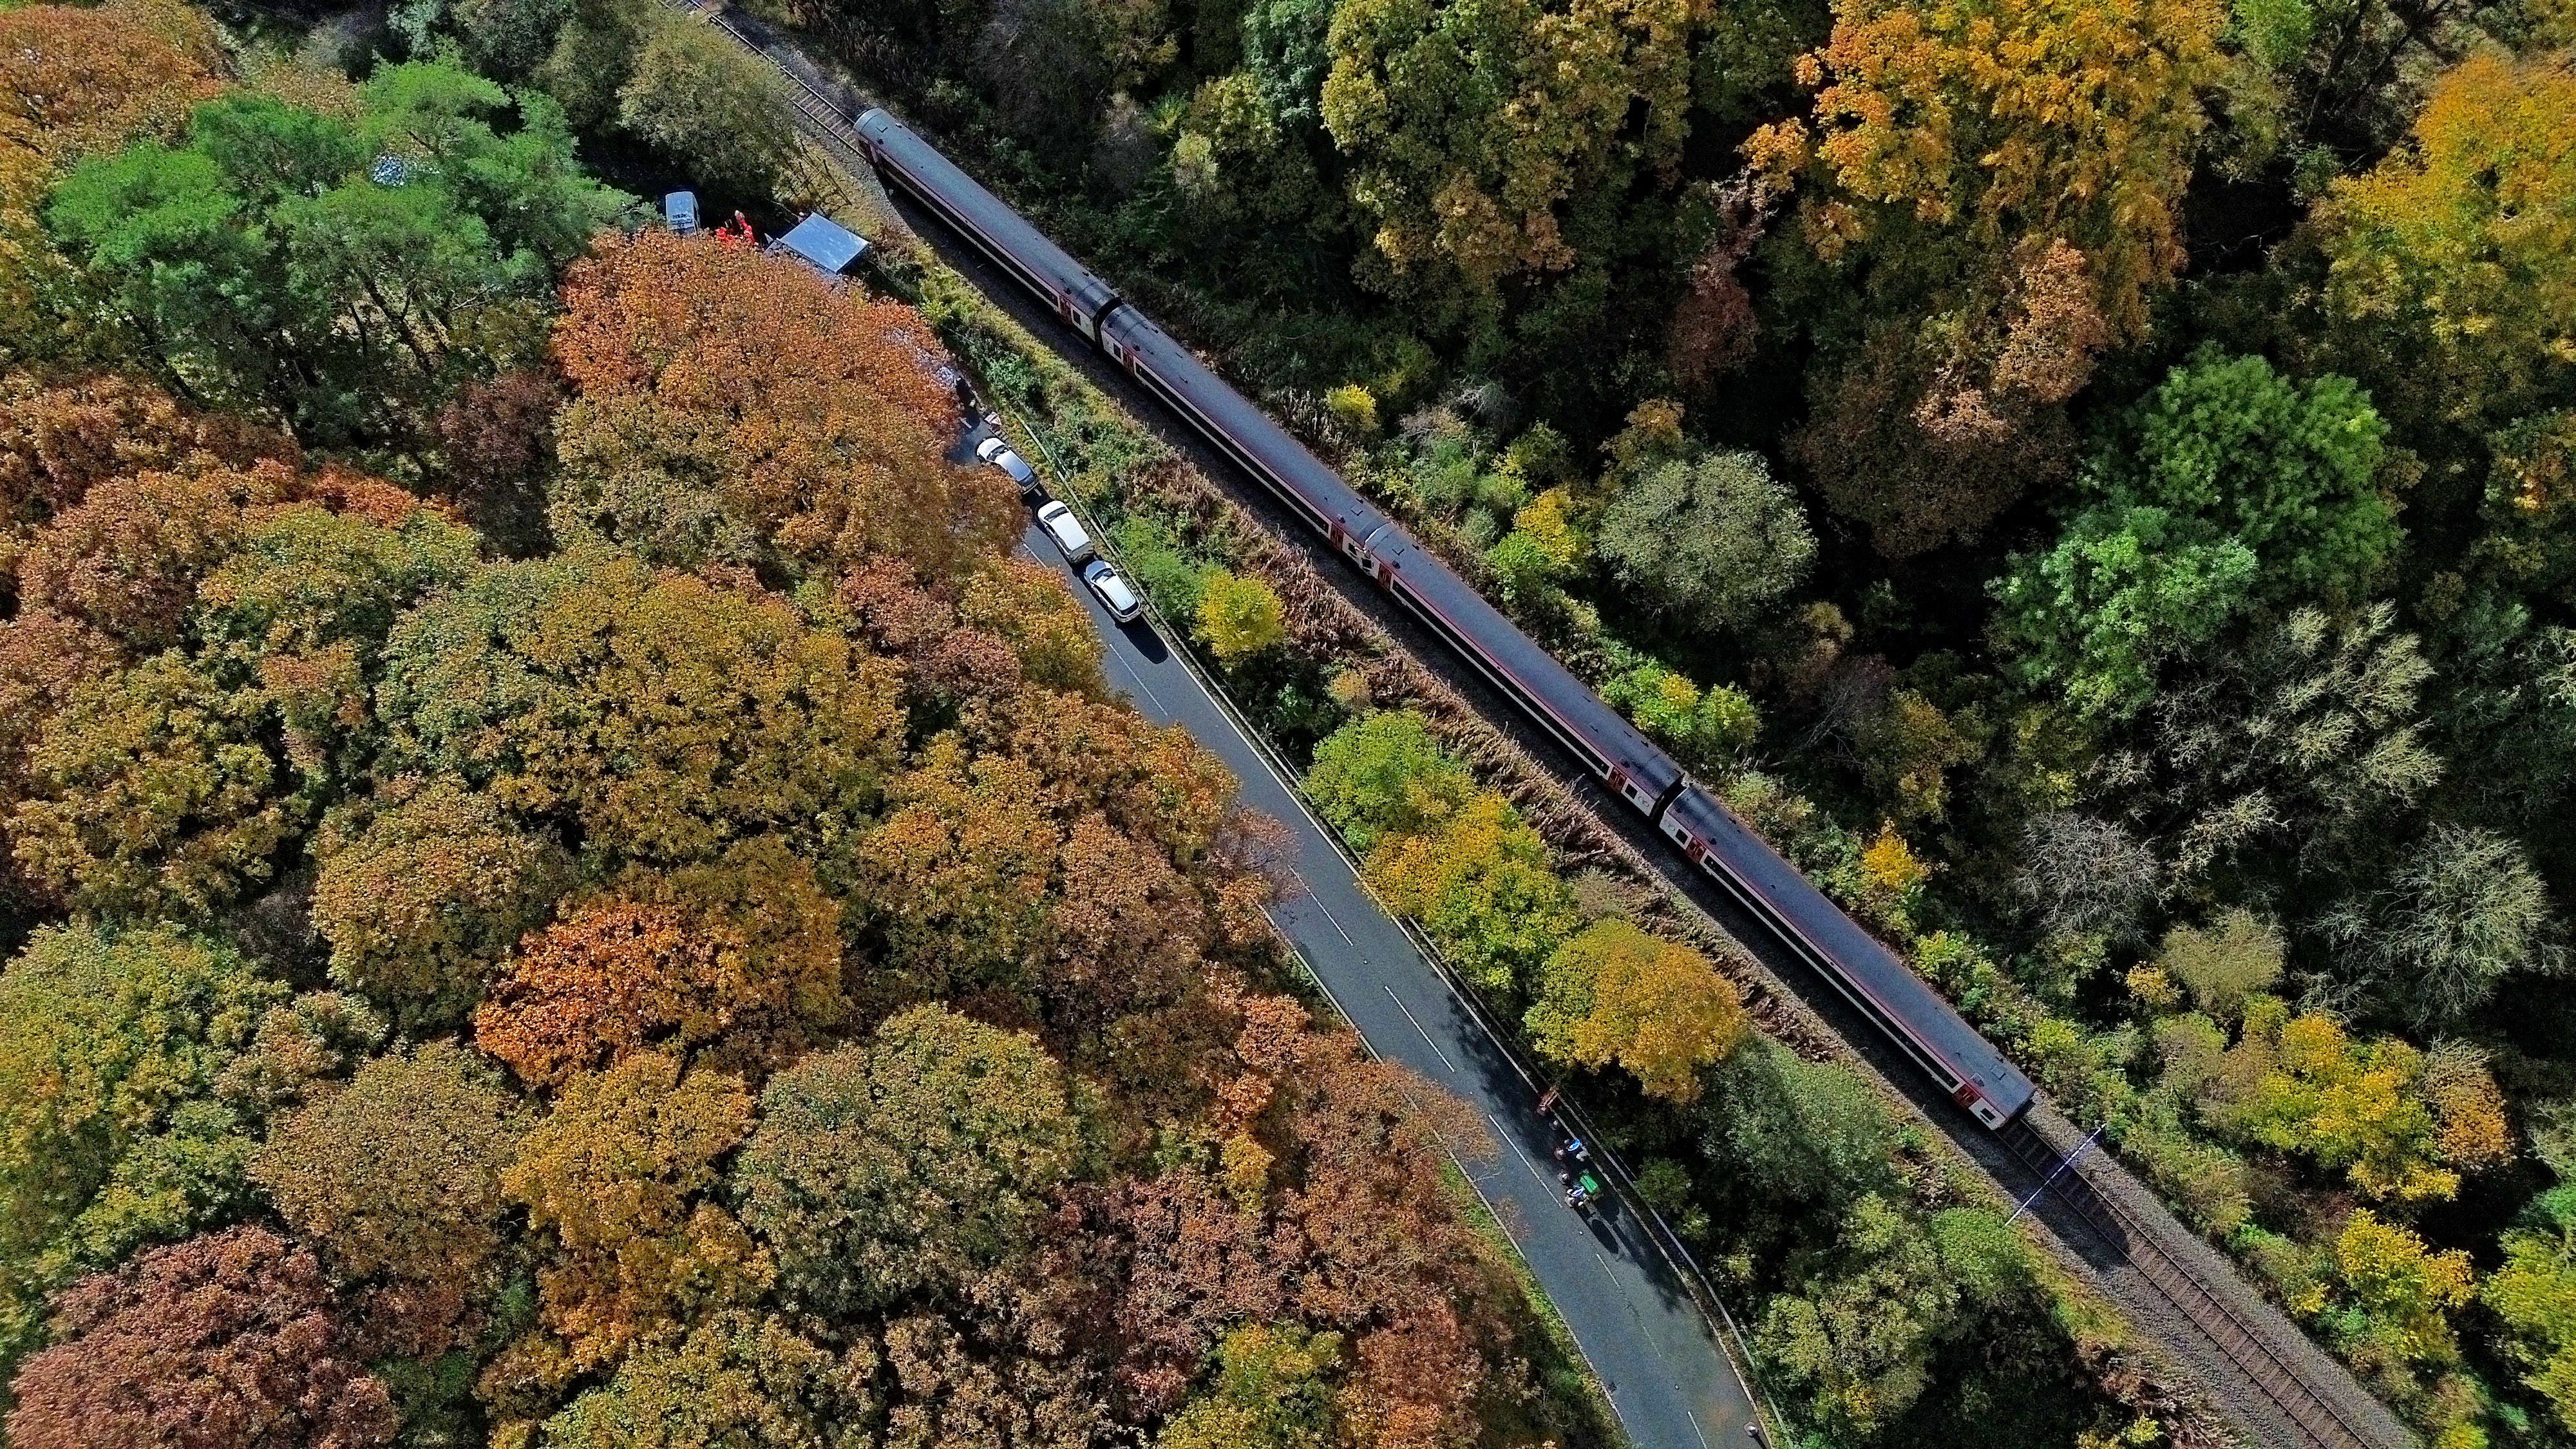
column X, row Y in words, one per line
column 1656, row 1007
column 2453, row 262
column 1998, row 129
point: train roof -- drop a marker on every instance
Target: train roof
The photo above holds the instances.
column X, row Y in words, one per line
column 1180, row 372
column 1569, row 703
column 897, row 143
column 1874, row 970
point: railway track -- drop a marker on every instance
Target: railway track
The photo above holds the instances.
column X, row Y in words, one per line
column 2317, row 1420
column 825, row 124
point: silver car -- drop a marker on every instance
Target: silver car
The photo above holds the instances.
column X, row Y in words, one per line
column 999, row 454
column 1066, row 530
column 1113, row 592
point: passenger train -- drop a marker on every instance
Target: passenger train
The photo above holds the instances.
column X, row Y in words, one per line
column 1866, row 972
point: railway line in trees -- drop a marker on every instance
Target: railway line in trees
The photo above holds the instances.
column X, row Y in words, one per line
column 2259, row 1370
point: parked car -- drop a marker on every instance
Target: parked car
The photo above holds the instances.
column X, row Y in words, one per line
column 999, row 454
column 1114, row 594
column 1066, row 530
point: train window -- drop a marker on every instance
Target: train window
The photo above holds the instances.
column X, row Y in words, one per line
column 1673, row 828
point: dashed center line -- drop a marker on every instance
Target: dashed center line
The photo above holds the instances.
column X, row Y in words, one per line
column 1514, row 1145
column 1417, row 1026
column 1131, row 673
column 1329, row 916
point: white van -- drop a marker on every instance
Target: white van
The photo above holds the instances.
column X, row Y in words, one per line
column 1066, row 530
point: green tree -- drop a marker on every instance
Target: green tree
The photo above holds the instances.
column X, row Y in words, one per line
column 2122, row 590
column 1473, row 130
column 1859, row 1339
column 2228, row 486
column 306, row 580
column 661, row 714
column 397, row 1177
column 1238, row 617
column 1807, row 1134
column 270, row 262
column 172, row 246
column 2288, row 469
column 1384, row 775
column 914, row 1164
column 523, row 181
column 1713, row 540
column 1705, row 728
column 423, row 890
column 1287, row 54
column 112, row 1045
column 703, row 101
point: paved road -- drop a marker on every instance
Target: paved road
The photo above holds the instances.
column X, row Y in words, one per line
column 1673, row 1386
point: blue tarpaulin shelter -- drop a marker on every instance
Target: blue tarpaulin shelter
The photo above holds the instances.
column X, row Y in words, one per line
column 823, row 244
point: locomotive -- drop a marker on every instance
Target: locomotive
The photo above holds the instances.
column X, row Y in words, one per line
column 1864, row 970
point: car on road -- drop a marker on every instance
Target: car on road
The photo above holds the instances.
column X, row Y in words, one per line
column 1066, row 530
column 999, row 454
column 1113, row 592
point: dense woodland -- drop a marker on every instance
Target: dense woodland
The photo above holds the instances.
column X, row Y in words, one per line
column 2085, row 480
column 2088, row 480
column 565, row 890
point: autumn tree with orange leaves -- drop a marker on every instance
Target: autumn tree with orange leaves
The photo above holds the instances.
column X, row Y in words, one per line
column 732, row 404
column 741, row 956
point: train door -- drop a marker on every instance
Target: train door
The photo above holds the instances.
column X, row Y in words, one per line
column 1975, row 1101
column 1625, row 784
column 1357, row 550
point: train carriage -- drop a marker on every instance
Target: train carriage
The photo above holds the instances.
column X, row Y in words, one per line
column 1861, row 968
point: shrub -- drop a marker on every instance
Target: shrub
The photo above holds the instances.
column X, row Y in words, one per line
column 1384, row 774
column 1239, row 617
column 1355, row 407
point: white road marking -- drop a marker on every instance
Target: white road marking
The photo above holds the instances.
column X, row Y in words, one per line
column 1327, row 910
column 1140, row 683
column 1417, row 1026
column 1513, row 1145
